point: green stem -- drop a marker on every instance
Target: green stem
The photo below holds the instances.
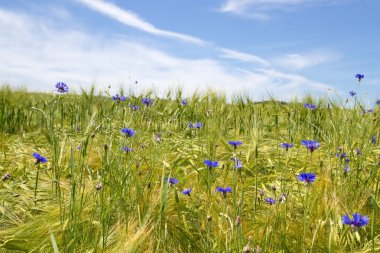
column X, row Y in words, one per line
column 304, row 216
column 36, row 185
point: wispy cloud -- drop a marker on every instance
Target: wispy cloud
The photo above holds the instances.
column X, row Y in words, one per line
column 302, row 61
column 260, row 9
column 37, row 55
column 131, row 19
column 232, row 54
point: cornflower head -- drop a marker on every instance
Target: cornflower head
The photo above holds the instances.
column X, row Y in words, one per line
column 357, row 221
column 308, row 178
column 147, row 101
column 172, row 180
column 310, row 145
column 211, row 164
column 346, row 169
column 237, row 163
column 127, row 149
column 117, row 98
column 235, row 143
column 196, row 125
column 359, row 77
column 364, row 111
column 128, row 132
column 343, row 155
column 61, row 87
column 184, row 102
column 358, row 151
column 6, row 177
column 187, row 192
column 39, row 158
column 224, row 190
column 270, row 201
column 287, row 146
column 134, row 107
column 378, row 102
column 310, row 106
column 373, row 139
column 352, row 93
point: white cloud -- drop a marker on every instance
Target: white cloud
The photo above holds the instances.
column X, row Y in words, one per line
column 298, row 61
column 258, row 8
column 232, row 54
column 131, row 19
column 38, row 55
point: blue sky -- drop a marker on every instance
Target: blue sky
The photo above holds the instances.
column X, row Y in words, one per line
column 285, row 48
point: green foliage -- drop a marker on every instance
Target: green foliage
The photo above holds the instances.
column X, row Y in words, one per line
column 93, row 197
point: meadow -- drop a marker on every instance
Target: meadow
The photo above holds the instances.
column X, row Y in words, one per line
column 101, row 172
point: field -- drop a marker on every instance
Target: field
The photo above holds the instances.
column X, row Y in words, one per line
column 96, row 172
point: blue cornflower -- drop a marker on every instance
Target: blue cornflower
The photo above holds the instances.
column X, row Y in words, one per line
column 238, row 163
column 310, row 145
column 352, row 93
column 184, row 102
column 172, row 180
column 211, row 164
column 307, row 177
column 357, row 220
column 343, row 155
column 127, row 149
column 373, row 139
column 310, row 106
column 235, row 143
column 117, row 98
column 370, row 110
column 147, row 101
column 359, row 76
column 6, row 177
column 62, row 87
column 134, row 107
column 187, row 191
column 197, row 125
column 358, row 151
column 39, row 158
column 346, row 168
column 270, row 201
column 223, row 190
column 128, row 132
column 287, row 146
column 378, row 102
